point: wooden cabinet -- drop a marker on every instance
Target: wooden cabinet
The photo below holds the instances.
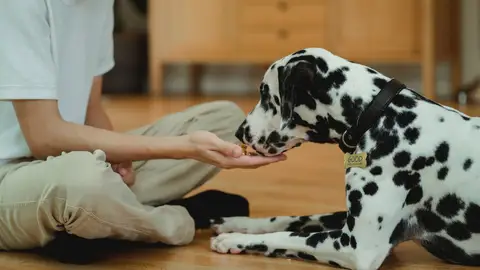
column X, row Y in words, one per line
column 260, row 31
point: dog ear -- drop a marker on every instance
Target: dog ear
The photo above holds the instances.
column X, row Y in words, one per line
column 294, row 82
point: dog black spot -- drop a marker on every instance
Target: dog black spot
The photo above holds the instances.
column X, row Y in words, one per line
column 405, row 118
column 321, row 64
column 363, row 178
column 472, row 218
column 441, row 153
column 430, row 221
column 398, row 233
column 273, row 137
column 376, row 170
column 334, row 264
column 347, row 187
column 370, row 70
column 442, row 173
column 345, row 240
column 334, row 221
column 273, row 219
column 350, row 222
column 265, row 98
column 355, row 204
column 362, row 143
column 279, row 144
column 353, row 242
column 414, row 195
column 296, row 225
column 430, row 161
column 316, row 238
column 386, row 143
column 247, row 134
column 257, row 247
column 351, row 109
column 320, row 132
column 380, row 219
column 306, row 256
column 449, row 205
column 466, row 118
column 338, row 126
column 277, row 100
column 408, row 179
column 467, row 164
column 476, row 126
column 404, row 101
column 411, row 135
column 441, row 119
column 419, row 163
column 389, row 120
column 336, row 245
column 370, row 188
column 335, row 234
column 445, row 249
column 354, row 196
column 312, row 228
column 380, row 83
column 401, row 159
column 458, row 231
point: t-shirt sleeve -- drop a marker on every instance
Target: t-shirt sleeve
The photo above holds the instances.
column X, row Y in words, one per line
column 105, row 57
column 27, row 66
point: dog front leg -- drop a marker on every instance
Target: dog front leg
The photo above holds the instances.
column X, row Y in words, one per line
column 359, row 246
column 311, row 223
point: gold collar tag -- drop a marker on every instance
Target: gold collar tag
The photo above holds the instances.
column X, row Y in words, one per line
column 355, row 160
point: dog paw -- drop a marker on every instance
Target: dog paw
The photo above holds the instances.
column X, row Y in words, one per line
column 235, row 225
column 231, row 243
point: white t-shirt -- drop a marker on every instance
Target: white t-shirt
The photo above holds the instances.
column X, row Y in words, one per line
column 50, row 49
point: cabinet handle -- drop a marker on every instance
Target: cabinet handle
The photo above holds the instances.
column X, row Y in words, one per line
column 282, row 6
column 283, row 34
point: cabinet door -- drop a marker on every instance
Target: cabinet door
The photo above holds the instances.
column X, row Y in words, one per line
column 192, row 30
column 375, row 29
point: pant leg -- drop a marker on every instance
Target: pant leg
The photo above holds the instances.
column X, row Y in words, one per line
column 161, row 181
column 78, row 192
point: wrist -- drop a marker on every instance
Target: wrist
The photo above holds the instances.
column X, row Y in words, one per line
column 176, row 147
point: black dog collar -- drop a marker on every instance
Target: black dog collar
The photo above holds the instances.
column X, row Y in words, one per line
column 370, row 115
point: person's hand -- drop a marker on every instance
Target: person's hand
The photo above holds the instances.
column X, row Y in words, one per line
column 126, row 172
column 207, row 147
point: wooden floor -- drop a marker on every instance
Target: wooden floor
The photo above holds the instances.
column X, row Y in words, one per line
column 311, row 181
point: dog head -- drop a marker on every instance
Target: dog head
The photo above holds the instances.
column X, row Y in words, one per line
column 310, row 95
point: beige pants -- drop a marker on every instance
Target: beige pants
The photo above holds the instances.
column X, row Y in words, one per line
column 78, row 191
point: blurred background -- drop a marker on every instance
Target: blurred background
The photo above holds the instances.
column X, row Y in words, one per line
column 180, row 48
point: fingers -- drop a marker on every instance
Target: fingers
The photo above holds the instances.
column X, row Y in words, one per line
column 243, row 161
column 227, row 148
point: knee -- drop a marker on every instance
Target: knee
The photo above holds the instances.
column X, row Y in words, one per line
column 230, row 110
column 229, row 117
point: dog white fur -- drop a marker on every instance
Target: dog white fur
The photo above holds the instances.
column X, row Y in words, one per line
column 421, row 182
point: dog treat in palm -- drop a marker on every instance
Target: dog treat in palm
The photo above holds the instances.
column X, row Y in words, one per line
column 244, row 149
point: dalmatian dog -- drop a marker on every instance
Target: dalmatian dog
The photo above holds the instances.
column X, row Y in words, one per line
column 420, row 182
